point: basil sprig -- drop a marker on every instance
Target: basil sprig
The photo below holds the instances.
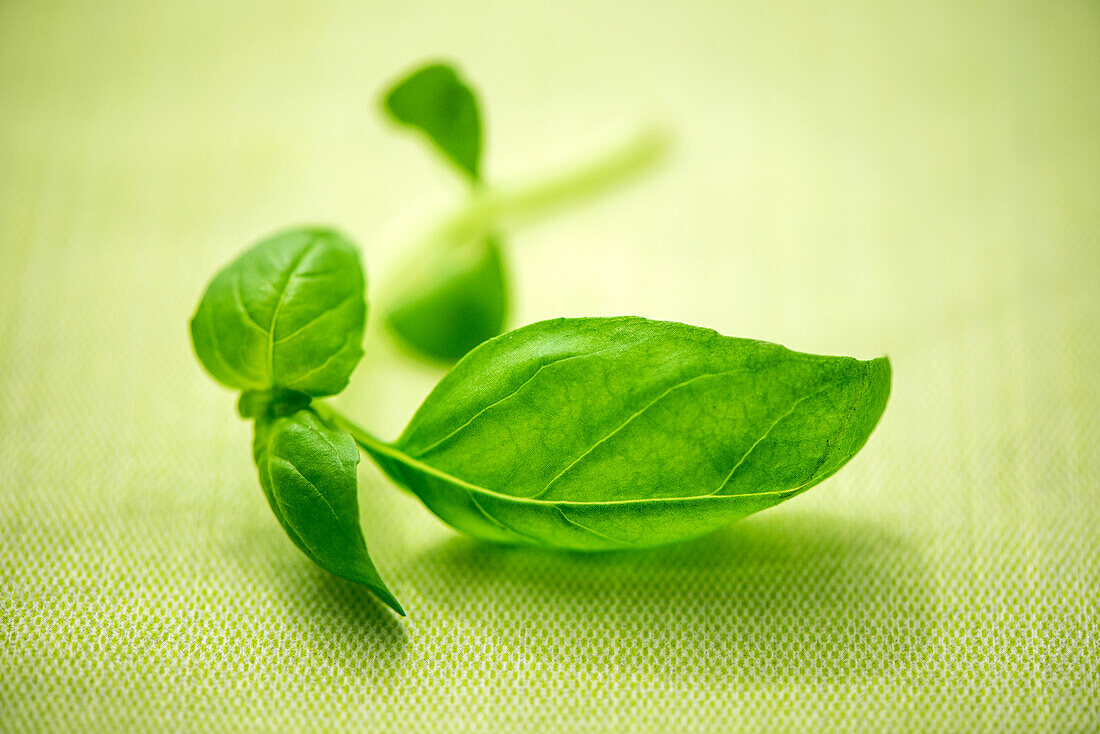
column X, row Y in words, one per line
column 589, row 433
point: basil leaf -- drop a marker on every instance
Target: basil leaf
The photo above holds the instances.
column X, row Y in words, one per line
column 287, row 314
column 308, row 473
column 453, row 305
column 435, row 101
column 617, row 432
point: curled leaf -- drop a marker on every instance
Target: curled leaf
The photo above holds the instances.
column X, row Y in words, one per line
column 308, row 474
column 621, row 432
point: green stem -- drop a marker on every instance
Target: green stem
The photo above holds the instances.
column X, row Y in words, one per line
column 375, row 447
column 362, row 436
column 494, row 207
column 490, row 209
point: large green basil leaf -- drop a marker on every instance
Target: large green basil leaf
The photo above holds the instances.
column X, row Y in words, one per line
column 435, row 101
column 287, row 314
column 617, row 432
column 454, row 303
column 308, row 473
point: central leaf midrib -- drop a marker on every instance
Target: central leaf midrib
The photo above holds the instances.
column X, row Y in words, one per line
column 615, row 431
column 375, row 446
column 283, row 288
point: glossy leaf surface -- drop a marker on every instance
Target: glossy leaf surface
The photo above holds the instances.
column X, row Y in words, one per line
column 617, row 432
column 287, row 314
column 308, row 473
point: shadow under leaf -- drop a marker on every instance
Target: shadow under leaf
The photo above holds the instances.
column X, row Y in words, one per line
column 342, row 622
column 788, row 595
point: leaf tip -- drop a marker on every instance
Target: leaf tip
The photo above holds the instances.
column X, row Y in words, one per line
column 390, row 600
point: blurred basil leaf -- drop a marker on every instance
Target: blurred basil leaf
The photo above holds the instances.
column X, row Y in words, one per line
column 454, row 303
column 434, row 100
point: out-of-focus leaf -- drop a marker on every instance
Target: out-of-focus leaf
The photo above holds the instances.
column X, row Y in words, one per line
column 435, row 101
column 454, row 303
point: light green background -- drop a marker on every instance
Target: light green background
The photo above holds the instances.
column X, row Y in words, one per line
column 916, row 179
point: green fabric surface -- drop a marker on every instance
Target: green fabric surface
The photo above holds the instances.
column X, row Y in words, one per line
column 913, row 179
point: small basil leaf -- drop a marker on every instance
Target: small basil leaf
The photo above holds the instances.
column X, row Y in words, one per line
column 287, row 314
column 458, row 301
column 308, row 473
column 435, row 101
column 617, row 432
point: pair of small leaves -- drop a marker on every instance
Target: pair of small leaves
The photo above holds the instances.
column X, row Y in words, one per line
column 460, row 298
column 284, row 324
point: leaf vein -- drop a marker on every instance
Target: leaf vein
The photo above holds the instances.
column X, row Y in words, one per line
column 314, row 370
column 494, row 518
column 315, row 319
column 218, row 350
column 249, row 318
column 593, row 531
column 495, row 403
column 843, row 432
column 320, row 495
column 420, row 466
column 636, row 414
column 776, row 422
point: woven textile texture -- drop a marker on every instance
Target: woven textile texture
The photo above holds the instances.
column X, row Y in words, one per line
column 857, row 177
